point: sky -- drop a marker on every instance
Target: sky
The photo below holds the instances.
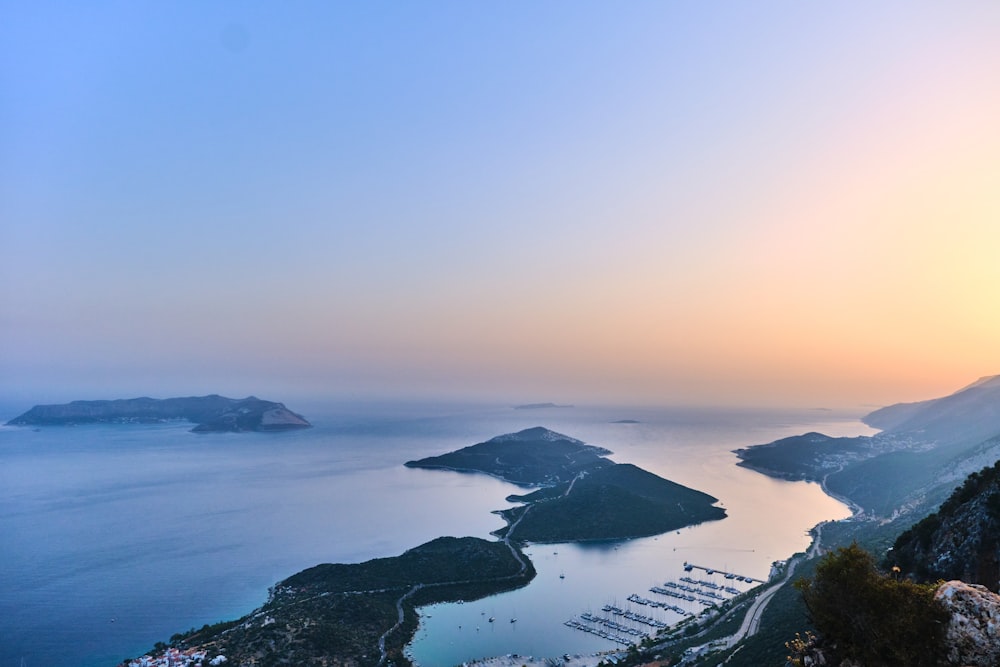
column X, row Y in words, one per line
column 767, row 203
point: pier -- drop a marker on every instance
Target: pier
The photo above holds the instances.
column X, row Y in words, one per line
column 619, row 624
column 688, row 567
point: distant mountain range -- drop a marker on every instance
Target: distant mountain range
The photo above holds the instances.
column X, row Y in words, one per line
column 924, row 450
column 928, row 485
column 210, row 413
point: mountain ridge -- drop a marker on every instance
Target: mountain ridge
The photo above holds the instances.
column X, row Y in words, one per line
column 923, row 451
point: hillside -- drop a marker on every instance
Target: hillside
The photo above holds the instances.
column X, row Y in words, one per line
column 959, row 541
column 924, row 450
column 530, row 457
column 898, row 476
column 612, row 502
column 584, row 496
column 340, row 614
column 970, row 414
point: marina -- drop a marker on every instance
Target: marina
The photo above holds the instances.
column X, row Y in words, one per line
column 688, row 567
column 687, row 589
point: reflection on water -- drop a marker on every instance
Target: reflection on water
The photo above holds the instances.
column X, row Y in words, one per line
column 768, row 521
column 116, row 537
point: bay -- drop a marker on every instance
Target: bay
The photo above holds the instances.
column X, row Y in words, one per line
column 117, row 536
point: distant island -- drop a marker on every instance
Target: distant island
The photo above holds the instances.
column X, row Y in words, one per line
column 584, row 496
column 540, row 406
column 534, row 456
column 211, row 414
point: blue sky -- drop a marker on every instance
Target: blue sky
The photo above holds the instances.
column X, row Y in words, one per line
column 770, row 202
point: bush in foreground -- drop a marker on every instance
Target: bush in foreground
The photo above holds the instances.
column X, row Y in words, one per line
column 874, row 618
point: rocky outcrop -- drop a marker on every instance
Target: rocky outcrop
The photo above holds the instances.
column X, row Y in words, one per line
column 211, row 413
column 973, row 634
column 971, row 638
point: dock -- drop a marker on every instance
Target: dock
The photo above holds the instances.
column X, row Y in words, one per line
column 626, row 626
column 688, row 567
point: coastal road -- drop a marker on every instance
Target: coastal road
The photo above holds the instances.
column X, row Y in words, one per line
column 751, row 622
column 570, row 487
column 400, row 615
column 400, row 612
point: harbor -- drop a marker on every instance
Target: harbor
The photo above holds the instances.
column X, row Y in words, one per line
column 688, row 567
column 625, row 626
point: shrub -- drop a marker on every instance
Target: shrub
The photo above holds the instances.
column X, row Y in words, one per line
column 870, row 617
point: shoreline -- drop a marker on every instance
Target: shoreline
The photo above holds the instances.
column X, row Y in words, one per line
column 857, row 512
column 515, row 660
column 751, row 620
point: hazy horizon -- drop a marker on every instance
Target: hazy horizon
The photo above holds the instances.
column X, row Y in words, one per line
column 660, row 203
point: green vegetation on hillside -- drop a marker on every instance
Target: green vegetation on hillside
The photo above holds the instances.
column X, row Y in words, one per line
column 529, row 457
column 336, row 613
column 584, row 496
column 615, row 502
column 959, row 541
column 807, row 456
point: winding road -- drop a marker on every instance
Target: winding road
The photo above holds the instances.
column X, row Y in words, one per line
column 751, row 622
column 400, row 612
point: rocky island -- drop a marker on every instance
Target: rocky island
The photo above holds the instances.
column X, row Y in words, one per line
column 210, row 413
column 584, row 495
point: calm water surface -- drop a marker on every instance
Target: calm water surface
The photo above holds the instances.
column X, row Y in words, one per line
column 115, row 537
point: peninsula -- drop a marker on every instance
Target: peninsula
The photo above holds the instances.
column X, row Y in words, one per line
column 363, row 615
column 911, row 465
column 209, row 413
column 584, row 495
column 357, row 614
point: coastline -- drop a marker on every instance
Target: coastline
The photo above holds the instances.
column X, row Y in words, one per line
column 791, row 557
column 474, row 471
column 464, row 507
column 515, row 660
column 857, row 512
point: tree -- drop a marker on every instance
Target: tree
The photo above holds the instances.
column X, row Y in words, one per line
column 871, row 617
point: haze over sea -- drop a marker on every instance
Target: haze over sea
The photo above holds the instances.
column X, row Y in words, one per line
column 118, row 536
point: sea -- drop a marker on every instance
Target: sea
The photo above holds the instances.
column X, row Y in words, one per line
column 115, row 537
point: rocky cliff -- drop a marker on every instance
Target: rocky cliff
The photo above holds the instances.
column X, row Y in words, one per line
column 972, row 636
column 959, row 541
column 210, row 413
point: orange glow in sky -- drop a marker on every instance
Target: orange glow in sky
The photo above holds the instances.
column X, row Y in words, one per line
column 777, row 204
